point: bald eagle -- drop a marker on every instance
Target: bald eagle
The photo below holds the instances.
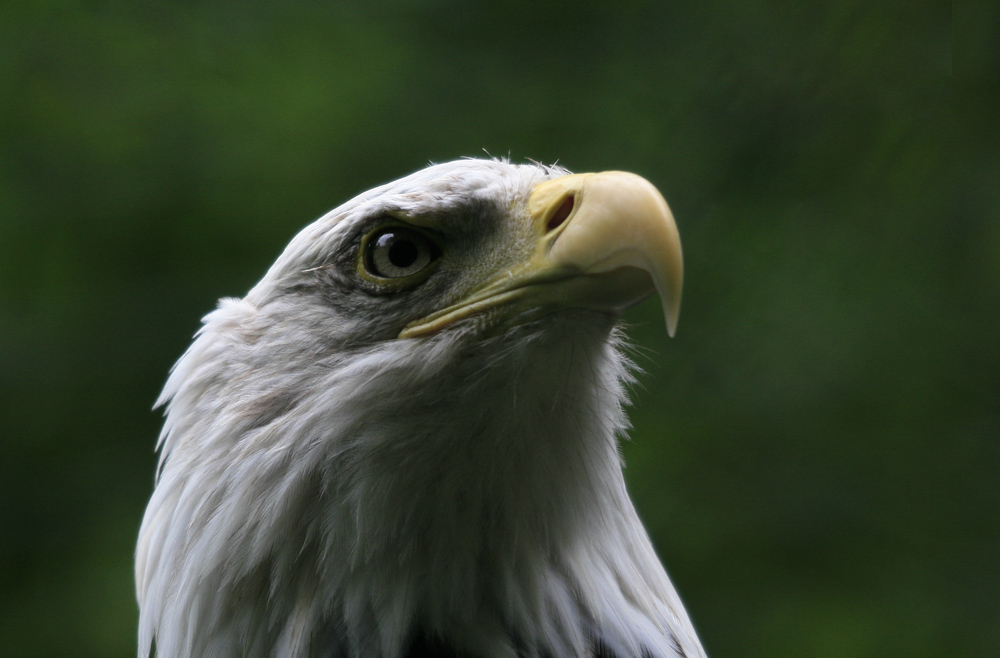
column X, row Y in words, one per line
column 403, row 441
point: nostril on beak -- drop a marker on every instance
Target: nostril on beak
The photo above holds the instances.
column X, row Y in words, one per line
column 560, row 215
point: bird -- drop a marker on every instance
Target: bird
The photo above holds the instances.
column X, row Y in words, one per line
column 404, row 441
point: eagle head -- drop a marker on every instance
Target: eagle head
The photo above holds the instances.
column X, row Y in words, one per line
column 403, row 441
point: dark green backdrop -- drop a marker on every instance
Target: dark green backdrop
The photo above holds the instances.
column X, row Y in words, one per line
column 814, row 453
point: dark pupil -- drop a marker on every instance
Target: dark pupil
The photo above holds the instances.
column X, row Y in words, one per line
column 403, row 253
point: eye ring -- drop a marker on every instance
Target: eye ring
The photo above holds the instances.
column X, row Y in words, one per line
column 397, row 257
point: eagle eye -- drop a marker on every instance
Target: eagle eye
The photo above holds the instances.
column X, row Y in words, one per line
column 397, row 256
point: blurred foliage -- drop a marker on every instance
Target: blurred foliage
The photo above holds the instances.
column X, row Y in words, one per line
column 815, row 454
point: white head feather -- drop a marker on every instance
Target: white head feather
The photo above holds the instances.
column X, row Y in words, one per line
column 327, row 489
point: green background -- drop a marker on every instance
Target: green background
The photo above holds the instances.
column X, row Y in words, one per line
column 815, row 454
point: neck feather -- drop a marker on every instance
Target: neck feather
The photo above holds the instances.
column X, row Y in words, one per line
column 469, row 489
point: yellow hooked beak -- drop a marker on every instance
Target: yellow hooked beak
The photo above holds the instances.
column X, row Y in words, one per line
column 603, row 241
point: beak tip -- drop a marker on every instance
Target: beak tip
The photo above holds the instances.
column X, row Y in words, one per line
column 671, row 312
